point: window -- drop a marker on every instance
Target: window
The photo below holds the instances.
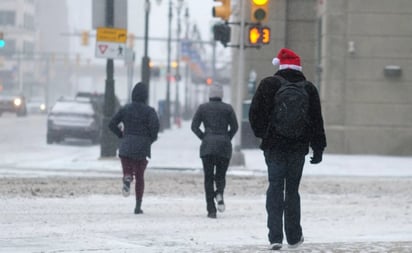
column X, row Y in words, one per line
column 28, row 21
column 7, row 18
column 9, row 49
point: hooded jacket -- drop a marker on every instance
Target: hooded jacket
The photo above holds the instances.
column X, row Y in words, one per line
column 220, row 125
column 261, row 109
column 140, row 125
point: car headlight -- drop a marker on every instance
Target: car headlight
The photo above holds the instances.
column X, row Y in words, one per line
column 42, row 107
column 17, row 102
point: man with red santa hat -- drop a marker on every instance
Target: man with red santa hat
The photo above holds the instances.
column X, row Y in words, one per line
column 286, row 114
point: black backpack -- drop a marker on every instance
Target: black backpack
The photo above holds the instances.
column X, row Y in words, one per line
column 290, row 116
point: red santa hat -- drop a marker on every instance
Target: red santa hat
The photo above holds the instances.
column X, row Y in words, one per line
column 287, row 59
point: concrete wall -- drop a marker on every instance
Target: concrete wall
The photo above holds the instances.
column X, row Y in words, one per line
column 367, row 112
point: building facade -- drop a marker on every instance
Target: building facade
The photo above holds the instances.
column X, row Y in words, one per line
column 359, row 54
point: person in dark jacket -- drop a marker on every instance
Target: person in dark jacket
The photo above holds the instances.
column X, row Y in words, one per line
column 284, row 156
column 220, row 125
column 137, row 125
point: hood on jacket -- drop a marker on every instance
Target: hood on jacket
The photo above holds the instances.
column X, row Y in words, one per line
column 139, row 93
column 291, row 75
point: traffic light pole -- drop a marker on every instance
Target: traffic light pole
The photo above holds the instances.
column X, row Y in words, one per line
column 238, row 157
column 108, row 144
column 146, row 59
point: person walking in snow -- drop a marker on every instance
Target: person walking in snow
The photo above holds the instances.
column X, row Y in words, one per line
column 285, row 113
column 220, row 125
column 137, row 125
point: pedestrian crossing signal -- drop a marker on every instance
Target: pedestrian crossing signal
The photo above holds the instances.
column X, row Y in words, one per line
column 259, row 35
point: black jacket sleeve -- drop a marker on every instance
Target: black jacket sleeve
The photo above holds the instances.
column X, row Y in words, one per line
column 261, row 106
column 233, row 124
column 317, row 138
column 114, row 123
column 197, row 120
column 153, row 125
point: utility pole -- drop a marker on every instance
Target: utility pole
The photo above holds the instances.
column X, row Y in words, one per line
column 168, row 74
column 108, row 140
column 146, row 59
column 238, row 157
column 178, row 76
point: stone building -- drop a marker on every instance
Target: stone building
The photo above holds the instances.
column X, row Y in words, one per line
column 359, row 54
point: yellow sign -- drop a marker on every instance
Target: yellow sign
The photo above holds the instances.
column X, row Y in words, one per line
column 108, row 34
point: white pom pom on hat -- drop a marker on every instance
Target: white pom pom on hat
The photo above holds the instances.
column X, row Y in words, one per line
column 275, row 61
column 287, row 59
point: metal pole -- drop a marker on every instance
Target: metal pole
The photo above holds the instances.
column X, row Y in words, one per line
column 108, row 140
column 168, row 74
column 146, row 59
column 178, row 77
column 187, row 113
column 238, row 156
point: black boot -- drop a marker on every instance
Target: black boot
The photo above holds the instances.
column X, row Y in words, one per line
column 138, row 208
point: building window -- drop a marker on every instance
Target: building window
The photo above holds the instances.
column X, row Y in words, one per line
column 28, row 21
column 9, row 48
column 7, row 18
column 28, row 48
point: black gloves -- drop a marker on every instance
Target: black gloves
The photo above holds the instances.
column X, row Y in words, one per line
column 316, row 158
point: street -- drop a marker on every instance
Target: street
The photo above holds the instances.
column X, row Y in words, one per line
column 82, row 210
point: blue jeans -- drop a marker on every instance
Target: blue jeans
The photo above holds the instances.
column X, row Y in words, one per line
column 282, row 196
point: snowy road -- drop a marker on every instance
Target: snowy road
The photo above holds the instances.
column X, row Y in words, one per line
column 63, row 198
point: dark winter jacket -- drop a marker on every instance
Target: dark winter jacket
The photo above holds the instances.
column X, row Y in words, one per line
column 220, row 125
column 261, row 110
column 140, row 125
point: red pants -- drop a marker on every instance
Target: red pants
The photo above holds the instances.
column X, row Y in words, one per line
column 136, row 168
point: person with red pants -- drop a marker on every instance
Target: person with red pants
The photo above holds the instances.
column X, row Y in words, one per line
column 137, row 125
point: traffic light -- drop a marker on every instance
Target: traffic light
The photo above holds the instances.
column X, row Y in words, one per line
column 209, row 81
column 259, row 10
column 222, row 11
column 221, row 32
column 85, row 38
column 2, row 42
column 259, row 35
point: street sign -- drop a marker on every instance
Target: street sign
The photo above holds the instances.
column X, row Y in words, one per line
column 110, row 50
column 109, row 34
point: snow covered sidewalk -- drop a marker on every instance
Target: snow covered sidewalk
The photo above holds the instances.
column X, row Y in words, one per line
column 70, row 214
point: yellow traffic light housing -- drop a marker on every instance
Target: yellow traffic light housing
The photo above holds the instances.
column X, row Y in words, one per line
column 222, row 11
column 85, row 38
column 259, row 10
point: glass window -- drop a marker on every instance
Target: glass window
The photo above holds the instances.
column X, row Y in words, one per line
column 28, row 21
column 7, row 18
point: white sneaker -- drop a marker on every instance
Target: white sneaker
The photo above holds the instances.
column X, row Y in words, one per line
column 294, row 246
column 126, row 186
column 275, row 246
column 220, row 202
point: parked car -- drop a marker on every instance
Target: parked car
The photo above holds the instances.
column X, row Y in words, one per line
column 73, row 118
column 98, row 100
column 36, row 105
column 13, row 102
